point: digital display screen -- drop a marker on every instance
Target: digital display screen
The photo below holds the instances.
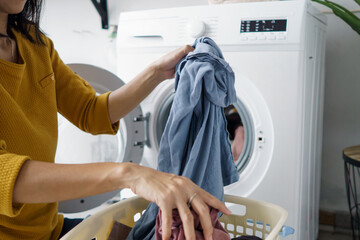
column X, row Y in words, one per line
column 270, row 25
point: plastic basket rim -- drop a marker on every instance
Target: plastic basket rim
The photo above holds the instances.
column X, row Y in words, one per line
column 228, row 198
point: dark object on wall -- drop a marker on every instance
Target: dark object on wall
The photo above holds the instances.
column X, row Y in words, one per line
column 101, row 7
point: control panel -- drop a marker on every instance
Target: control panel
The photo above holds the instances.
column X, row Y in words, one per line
column 243, row 24
column 263, row 29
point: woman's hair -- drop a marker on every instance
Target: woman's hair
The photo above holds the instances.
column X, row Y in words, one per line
column 28, row 18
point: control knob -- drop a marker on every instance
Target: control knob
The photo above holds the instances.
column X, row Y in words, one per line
column 196, row 28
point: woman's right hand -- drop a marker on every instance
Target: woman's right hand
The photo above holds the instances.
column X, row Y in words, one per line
column 170, row 191
column 42, row 182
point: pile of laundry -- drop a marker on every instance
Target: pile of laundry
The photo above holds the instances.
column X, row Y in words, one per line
column 120, row 231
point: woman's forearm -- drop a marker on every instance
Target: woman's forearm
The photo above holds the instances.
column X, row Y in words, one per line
column 41, row 182
column 125, row 99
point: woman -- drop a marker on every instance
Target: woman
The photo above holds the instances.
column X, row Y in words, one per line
column 34, row 85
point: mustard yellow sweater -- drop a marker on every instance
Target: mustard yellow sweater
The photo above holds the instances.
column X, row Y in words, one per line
column 31, row 94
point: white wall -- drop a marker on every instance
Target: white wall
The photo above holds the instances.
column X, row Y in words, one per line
column 342, row 109
column 75, row 28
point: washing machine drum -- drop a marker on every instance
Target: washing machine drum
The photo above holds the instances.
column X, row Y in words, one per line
column 76, row 146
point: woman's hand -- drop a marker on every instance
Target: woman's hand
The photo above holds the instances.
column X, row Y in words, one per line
column 165, row 66
column 170, row 191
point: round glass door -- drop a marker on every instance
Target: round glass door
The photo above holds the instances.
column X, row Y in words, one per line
column 250, row 129
column 239, row 125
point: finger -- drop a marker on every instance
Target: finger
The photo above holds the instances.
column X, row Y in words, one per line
column 183, row 51
column 166, row 219
column 214, row 202
column 187, row 220
column 187, row 49
column 203, row 212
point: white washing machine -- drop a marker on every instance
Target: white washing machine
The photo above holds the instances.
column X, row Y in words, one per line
column 276, row 50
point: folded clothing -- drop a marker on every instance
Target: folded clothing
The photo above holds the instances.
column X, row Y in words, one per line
column 177, row 230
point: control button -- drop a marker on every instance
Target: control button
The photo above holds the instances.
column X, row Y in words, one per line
column 262, row 37
column 281, row 37
column 271, row 37
column 244, row 38
column 252, row 38
column 196, row 28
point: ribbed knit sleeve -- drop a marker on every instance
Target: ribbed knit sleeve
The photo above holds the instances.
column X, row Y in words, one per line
column 10, row 165
column 78, row 101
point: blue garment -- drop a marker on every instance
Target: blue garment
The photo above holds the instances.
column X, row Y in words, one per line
column 195, row 142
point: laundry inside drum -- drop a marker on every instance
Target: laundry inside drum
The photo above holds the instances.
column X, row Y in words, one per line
column 241, row 133
column 235, row 128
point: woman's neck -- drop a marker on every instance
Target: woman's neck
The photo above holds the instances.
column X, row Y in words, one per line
column 8, row 50
column 3, row 22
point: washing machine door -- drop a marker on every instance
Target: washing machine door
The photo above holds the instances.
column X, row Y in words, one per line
column 257, row 152
column 76, row 146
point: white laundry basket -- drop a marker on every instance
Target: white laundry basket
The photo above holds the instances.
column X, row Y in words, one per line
column 260, row 219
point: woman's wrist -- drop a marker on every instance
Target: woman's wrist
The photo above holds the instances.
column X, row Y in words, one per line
column 155, row 73
column 127, row 173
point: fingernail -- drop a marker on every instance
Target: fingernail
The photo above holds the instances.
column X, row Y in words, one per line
column 228, row 211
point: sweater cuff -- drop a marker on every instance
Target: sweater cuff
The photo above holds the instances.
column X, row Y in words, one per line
column 104, row 115
column 10, row 165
